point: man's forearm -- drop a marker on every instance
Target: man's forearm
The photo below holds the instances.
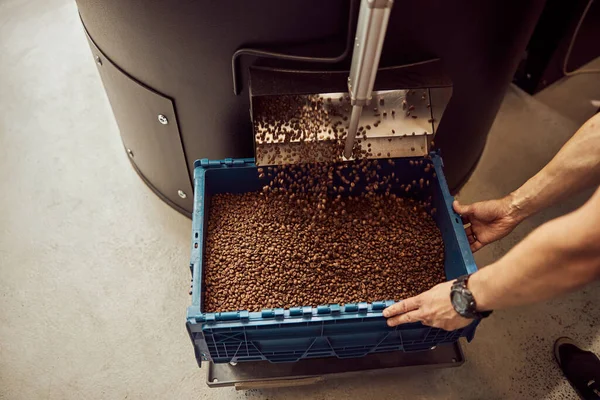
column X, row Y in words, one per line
column 558, row 257
column 574, row 168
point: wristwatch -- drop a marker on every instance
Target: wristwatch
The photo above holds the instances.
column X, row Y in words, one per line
column 463, row 301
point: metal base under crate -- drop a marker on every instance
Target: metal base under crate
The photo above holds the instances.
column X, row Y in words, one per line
column 263, row 374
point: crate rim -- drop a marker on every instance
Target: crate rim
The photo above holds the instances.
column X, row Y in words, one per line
column 298, row 314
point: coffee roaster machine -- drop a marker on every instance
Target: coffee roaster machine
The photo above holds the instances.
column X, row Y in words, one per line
column 183, row 79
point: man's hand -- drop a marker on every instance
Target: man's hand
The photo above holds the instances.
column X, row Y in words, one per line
column 432, row 308
column 490, row 220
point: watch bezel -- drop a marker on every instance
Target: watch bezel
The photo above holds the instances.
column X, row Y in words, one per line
column 456, row 298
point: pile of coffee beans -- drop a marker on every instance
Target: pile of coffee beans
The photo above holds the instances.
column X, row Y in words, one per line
column 322, row 234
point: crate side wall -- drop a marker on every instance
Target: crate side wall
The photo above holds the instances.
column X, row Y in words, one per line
column 237, row 346
column 458, row 259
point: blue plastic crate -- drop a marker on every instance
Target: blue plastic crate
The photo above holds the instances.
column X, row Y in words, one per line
column 352, row 330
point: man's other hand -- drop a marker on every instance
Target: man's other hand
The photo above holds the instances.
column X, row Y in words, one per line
column 432, row 308
column 488, row 220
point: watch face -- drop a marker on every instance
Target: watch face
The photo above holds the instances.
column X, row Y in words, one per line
column 460, row 302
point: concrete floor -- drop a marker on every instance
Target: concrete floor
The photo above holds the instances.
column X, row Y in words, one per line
column 94, row 267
